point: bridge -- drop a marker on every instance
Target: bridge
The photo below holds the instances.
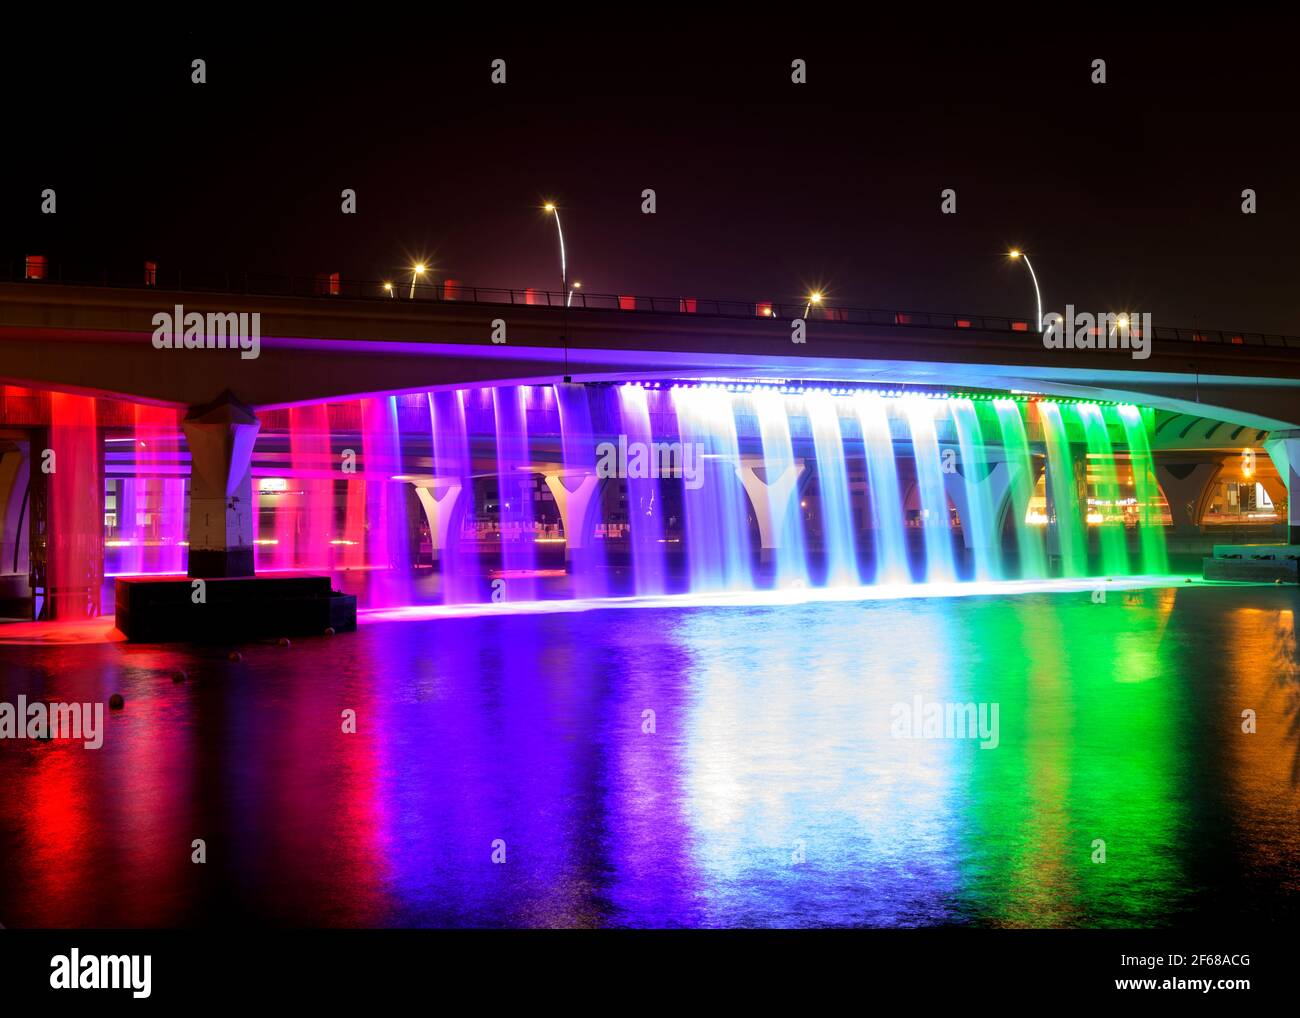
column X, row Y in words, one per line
column 349, row 339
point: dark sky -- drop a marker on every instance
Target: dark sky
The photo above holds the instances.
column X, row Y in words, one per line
column 1128, row 194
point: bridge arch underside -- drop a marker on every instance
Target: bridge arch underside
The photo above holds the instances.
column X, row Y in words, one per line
column 1238, row 385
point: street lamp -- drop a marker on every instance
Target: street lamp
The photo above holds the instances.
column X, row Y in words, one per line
column 1015, row 253
column 388, row 288
column 417, row 270
column 564, row 268
column 813, row 298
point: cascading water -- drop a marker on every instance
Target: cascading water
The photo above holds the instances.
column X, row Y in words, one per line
column 773, row 486
column 387, row 540
column 1063, row 518
column 1105, row 509
column 1155, row 557
column 1029, row 540
column 454, row 469
column 882, row 483
column 74, row 564
column 515, row 511
column 644, row 496
column 717, row 531
column 312, row 466
column 833, row 482
column 978, row 522
column 936, row 523
column 580, row 491
column 715, row 487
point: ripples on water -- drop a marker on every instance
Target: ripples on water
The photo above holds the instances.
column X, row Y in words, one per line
column 771, row 793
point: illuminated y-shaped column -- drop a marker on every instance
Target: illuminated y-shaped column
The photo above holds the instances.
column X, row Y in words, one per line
column 772, row 500
column 577, row 506
column 14, row 468
column 220, row 436
column 1283, row 448
column 996, row 483
column 439, row 509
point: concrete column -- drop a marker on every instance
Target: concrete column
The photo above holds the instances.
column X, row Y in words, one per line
column 14, row 469
column 439, row 510
column 1283, row 448
column 1184, row 486
column 996, row 483
column 577, row 505
column 222, row 524
column 772, row 499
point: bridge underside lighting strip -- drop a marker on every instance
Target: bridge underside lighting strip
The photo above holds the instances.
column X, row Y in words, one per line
column 798, row 388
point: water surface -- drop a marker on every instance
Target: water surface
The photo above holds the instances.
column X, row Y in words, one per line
column 771, row 792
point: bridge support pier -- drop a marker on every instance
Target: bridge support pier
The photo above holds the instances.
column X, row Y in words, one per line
column 439, row 510
column 772, row 500
column 1184, row 486
column 1283, row 448
column 991, row 488
column 222, row 524
column 577, row 506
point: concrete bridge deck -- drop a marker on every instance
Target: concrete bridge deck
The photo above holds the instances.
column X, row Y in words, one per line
column 98, row 339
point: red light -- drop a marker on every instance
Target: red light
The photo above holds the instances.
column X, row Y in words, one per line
column 626, row 303
column 36, row 266
column 1019, row 326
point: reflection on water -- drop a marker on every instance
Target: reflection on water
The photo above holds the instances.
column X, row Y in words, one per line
column 767, row 788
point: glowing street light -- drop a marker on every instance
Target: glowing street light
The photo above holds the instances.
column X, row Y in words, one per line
column 564, row 268
column 1015, row 253
column 417, row 270
column 388, row 288
column 813, row 298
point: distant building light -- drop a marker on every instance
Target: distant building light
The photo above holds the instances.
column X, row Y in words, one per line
column 1019, row 326
column 902, row 318
column 688, row 305
column 272, row 484
column 327, row 284
column 532, row 296
column 451, row 289
column 626, row 303
column 36, row 266
column 963, row 323
column 150, row 273
column 763, row 310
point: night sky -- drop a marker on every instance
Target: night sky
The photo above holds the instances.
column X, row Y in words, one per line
column 1127, row 194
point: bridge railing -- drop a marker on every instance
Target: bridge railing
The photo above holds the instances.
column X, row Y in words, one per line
column 333, row 287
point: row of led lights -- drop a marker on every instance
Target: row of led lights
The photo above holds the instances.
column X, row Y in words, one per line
column 788, row 389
